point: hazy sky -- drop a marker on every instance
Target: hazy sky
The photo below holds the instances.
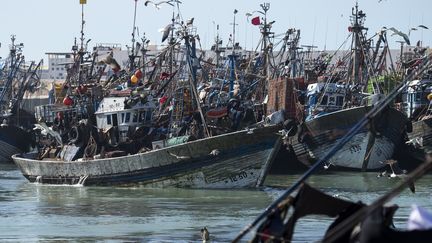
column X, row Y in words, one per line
column 51, row 25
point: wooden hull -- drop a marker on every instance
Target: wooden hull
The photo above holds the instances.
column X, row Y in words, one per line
column 242, row 161
column 367, row 150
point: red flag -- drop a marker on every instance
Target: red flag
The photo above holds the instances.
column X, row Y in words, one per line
column 256, row 20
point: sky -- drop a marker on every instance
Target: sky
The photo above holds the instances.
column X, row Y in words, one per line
column 51, row 25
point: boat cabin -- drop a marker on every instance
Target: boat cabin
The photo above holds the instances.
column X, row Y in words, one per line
column 323, row 98
column 415, row 97
column 112, row 113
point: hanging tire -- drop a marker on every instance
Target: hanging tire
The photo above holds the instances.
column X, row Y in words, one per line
column 74, row 135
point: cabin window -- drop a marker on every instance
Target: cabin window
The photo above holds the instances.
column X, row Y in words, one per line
column 418, row 97
column 122, row 117
column 109, row 122
column 128, row 115
column 135, row 117
column 324, row 100
column 332, row 100
column 148, row 115
column 141, row 116
column 339, row 100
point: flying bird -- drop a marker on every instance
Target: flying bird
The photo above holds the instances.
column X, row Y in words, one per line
column 400, row 33
column 166, row 31
column 326, row 166
column 396, row 171
column 214, row 152
column 417, row 142
column 109, row 60
column 158, row 4
column 178, row 156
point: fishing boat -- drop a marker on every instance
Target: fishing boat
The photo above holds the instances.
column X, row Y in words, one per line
column 339, row 100
column 235, row 160
column 417, row 105
column 16, row 78
column 138, row 136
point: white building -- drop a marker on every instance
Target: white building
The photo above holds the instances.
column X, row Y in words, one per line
column 57, row 62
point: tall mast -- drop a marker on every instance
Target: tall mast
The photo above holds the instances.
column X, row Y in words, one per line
column 357, row 28
column 217, row 50
column 81, row 51
column 132, row 54
column 172, row 42
column 265, row 33
column 232, row 57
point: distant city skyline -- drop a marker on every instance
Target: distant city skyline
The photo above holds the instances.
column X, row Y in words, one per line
column 51, row 25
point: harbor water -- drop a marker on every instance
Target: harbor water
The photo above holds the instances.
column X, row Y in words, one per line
column 39, row 213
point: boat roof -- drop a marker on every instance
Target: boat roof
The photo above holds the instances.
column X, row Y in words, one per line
column 116, row 104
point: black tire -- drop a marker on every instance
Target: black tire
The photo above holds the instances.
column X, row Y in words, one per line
column 74, row 135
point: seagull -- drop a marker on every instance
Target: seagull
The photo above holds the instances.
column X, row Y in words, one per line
column 190, row 21
column 249, row 131
column 382, row 174
column 326, row 166
column 157, row 5
column 400, row 33
column 416, row 142
column 111, row 61
column 214, row 152
column 166, row 31
column 179, row 156
column 397, row 172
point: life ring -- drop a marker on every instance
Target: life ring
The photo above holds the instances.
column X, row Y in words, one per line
column 74, row 135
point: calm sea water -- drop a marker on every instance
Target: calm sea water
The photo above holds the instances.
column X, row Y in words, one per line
column 39, row 213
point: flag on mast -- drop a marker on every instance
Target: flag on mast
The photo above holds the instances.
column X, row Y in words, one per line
column 83, row 1
column 256, row 21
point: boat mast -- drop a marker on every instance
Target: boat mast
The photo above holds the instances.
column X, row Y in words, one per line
column 81, row 51
column 265, row 48
column 217, row 49
column 132, row 54
column 171, row 43
column 190, row 55
column 232, row 57
column 357, row 28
